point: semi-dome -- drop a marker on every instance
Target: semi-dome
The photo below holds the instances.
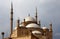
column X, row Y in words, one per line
column 15, row 28
column 44, row 28
column 29, row 19
column 32, row 25
column 36, row 32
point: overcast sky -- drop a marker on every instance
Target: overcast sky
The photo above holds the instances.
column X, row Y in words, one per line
column 48, row 11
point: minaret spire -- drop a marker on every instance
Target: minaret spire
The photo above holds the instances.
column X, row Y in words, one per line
column 11, row 7
column 11, row 19
column 36, row 15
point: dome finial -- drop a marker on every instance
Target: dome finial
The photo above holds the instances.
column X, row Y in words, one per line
column 11, row 6
column 18, row 22
column 24, row 20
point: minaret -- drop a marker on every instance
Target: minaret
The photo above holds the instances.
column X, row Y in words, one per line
column 51, row 32
column 18, row 23
column 36, row 15
column 40, row 24
column 2, row 35
column 24, row 22
column 11, row 19
column 51, row 27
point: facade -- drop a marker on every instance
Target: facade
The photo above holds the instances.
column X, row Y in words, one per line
column 30, row 28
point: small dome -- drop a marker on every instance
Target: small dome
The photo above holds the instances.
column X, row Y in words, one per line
column 32, row 25
column 36, row 32
column 29, row 19
column 44, row 28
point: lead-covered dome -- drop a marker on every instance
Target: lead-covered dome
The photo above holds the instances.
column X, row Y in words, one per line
column 44, row 28
column 29, row 19
column 36, row 32
column 32, row 25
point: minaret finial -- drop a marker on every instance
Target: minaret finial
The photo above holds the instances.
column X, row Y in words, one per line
column 11, row 6
column 36, row 15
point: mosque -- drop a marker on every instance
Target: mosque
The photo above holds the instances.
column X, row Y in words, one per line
column 30, row 28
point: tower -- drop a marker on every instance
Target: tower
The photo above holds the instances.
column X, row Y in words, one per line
column 51, row 32
column 40, row 24
column 11, row 19
column 18, row 23
column 36, row 15
column 2, row 35
column 51, row 27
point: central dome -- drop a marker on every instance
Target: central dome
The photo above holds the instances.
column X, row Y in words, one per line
column 29, row 19
column 32, row 25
